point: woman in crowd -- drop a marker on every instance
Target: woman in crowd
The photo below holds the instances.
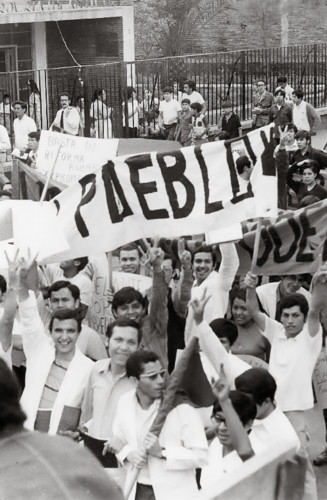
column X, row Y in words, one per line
column 249, row 340
column 34, row 103
column 101, row 114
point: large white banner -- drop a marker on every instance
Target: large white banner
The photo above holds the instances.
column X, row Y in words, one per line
column 192, row 190
column 78, row 156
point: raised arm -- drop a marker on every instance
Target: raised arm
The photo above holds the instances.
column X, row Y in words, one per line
column 318, row 299
column 183, row 292
column 252, row 304
column 229, row 265
column 10, row 304
column 238, row 433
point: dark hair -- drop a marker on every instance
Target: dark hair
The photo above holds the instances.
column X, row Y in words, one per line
column 303, row 134
column 97, row 94
column 10, row 410
column 169, row 256
column 243, row 404
column 168, row 90
column 280, row 91
column 60, row 284
column 290, row 126
column 63, row 314
column 64, row 94
column 135, row 362
column 83, row 262
column 205, row 249
column 259, row 383
column 5, row 96
column 197, row 106
column 224, row 328
column 35, row 135
column 4, row 192
column 298, row 93
column 191, row 84
column 241, row 163
column 34, row 87
column 226, row 104
column 282, row 79
column 294, row 299
column 313, row 165
column 186, row 100
column 3, row 284
column 124, row 322
column 129, row 247
column 22, row 104
column 126, row 295
column 237, row 293
column 308, row 200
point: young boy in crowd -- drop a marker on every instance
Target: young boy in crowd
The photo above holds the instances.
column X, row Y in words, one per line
column 184, row 124
column 200, row 125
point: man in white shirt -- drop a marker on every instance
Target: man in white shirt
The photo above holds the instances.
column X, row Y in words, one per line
column 166, row 464
column 23, row 125
column 67, row 119
column 283, row 85
column 271, row 294
column 168, row 114
column 4, row 139
column 194, row 96
column 305, row 117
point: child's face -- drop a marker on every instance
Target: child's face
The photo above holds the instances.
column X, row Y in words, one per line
column 226, row 111
column 185, row 106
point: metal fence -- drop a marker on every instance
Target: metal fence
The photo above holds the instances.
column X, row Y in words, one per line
column 218, row 76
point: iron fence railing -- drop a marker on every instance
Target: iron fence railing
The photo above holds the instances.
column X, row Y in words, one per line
column 217, row 75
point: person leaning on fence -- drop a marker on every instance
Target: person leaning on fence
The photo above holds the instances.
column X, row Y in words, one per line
column 183, row 132
column 230, row 121
column 262, row 102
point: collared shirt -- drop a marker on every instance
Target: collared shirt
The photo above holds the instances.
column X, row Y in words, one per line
column 101, row 398
column 292, row 361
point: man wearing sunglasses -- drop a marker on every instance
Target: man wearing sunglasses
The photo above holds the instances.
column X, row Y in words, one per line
column 166, row 464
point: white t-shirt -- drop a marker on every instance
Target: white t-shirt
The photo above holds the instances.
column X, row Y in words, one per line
column 169, row 111
column 300, row 118
column 194, row 97
column 292, row 361
column 22, row 128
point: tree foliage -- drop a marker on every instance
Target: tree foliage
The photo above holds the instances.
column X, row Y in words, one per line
column 165, row 27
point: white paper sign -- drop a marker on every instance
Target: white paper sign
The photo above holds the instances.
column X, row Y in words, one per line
column 78, row 156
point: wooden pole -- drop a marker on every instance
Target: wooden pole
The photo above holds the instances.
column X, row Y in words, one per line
column 256, row 245
column 50, row 174
column 110, row 270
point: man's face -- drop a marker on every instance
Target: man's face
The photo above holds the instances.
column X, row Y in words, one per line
column 167, row 267
column 64, row 334
column 261, row 87
column 291, row 284
column 308, row 177
column 296, row 99
column 129, row 261
column 282, row 85
column 167, row 96
column 302, row 143
column 122, row 343
column 221, row 428
column 134, row 310
column 152, row 380
column 64, row 101
column 187, row 89
column 19, row 111
column 202, row 265
column 63, row 299
column 66, row 264
column 292, row 320
column 7, row 100
column 290, row 135
column 32, row 144
column 279, row 99
column 226, row 111
column 240, row 312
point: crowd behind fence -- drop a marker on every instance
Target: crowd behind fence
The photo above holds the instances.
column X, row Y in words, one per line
column 218, row 76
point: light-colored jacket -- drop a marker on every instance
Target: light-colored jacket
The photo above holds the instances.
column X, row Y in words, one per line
column 186, row 447
column 40, row 354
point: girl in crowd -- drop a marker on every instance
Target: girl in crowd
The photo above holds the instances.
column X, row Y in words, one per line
column 101, row 114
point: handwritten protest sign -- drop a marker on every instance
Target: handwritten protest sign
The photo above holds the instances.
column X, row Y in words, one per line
column 137, row 281
column 320, row 379
column 78, row 156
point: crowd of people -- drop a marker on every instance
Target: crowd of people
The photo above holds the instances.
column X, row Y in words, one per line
column 107, row 391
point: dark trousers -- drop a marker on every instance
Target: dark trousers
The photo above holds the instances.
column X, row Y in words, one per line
column 144, row 492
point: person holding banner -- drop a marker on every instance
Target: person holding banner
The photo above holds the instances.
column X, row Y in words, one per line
column 167, row 464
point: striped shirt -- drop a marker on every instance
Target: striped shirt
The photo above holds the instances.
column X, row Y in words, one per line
column 101, row 398
column 53, row 383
